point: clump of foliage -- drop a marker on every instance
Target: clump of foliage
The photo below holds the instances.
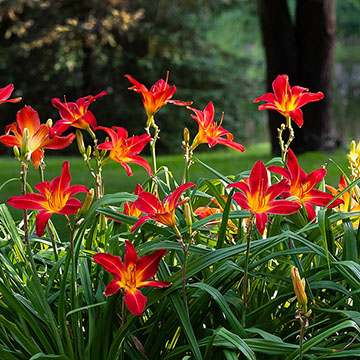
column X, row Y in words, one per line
column 260, row 263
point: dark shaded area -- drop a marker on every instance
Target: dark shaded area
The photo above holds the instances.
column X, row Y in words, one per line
column 302, row 48
column 55, row 48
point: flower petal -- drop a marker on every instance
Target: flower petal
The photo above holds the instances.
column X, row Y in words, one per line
column 148, row 265
column 42, row 219
column 112, row 287
column 111, row 264
column 135, row 302
column 131, row 257
column 261, row 220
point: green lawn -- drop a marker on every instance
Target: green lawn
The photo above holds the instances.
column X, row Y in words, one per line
column 226, row 161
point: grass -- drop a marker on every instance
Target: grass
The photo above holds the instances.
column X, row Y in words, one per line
column 226, row 161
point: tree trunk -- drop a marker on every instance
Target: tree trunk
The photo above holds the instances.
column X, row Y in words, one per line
column 303, row 51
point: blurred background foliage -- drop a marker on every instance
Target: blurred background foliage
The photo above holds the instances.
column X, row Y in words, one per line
column 212, row 49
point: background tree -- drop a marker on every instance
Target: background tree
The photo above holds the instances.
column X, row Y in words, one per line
column 302, row 46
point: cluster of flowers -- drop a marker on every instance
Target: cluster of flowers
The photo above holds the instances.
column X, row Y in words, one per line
column 256, row 194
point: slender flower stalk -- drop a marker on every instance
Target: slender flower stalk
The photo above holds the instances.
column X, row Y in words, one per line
column 246, row 267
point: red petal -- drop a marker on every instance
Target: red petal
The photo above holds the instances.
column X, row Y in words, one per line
column 309, row 97
column 258, row 179
column 9, row 140
column 139, row 223
column 113, row 287
column 148, row 203
column 71, row 207
column 148, row 265
column 36, row 157
column 172, row 199
column 135, row 302
column 281, row 171
column 42, row 219
column 57, row 142
column 297, row 116
column 242, row 200
column 6, row 91
column 281, row 87
column 268, row 97
column 283, row 207
column 131, row 257
column 231, row 144
column 277, row 189
column 28, row 118
column 111, row 264
column 261, row 220
column 28, row 201
column 155, row 283
column 140, row 161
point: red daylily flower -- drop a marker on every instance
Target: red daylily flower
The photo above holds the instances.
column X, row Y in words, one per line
column 302, row 185
column 259, row 198
column 154, row 99
column 54, row 197
column 162, row 212
column 76, row 114
column 350, row 202
column 6, row 92
column 123, row 149
column 132, row 275
column 40, row 135
column 210, row 132
column 288, row 100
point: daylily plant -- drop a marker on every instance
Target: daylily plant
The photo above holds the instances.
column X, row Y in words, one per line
column 302, row 185
column 288, row 100
column 55, row 197
column 76, row 114
column 162, row 212
column 154, row 99
column 36, row 138
column 210, row 132
column 123, row 149
column 6, row 92
column 259, row 198
column 132, row 275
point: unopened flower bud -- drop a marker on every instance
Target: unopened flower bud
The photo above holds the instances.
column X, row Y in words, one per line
column 25, row 149
column 299, row 288
column 80, row 142
column 86, row 205
column 88, row 151
column 188, row 216
column 16, row 152
column 186, row 136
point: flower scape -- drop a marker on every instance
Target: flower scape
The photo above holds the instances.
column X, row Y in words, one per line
column 262, row 263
